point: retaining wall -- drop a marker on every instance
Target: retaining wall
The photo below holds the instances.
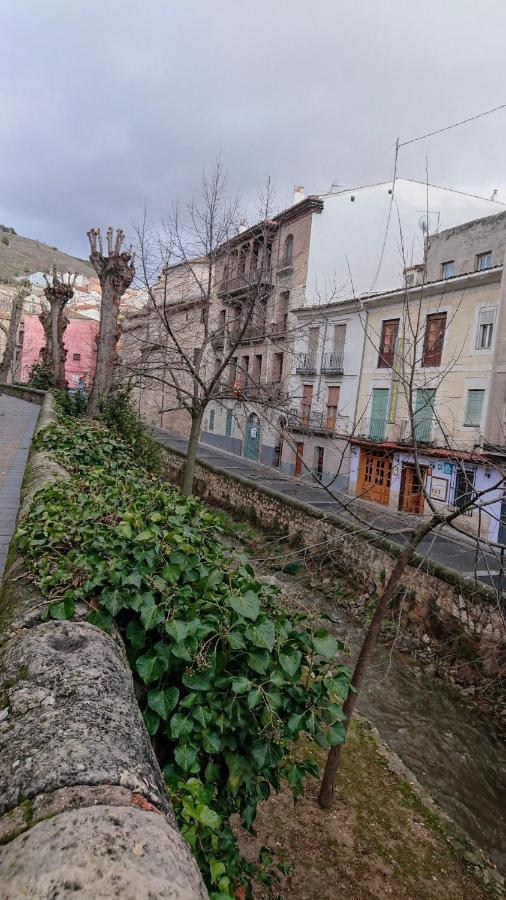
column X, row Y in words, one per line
column 433, row 590
column 23, row 392
column 83, row 806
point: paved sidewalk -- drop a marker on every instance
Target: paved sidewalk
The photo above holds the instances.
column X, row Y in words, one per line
column 455, row 552
column 17, row 423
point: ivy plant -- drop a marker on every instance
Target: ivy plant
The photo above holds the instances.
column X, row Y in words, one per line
column 228, row 676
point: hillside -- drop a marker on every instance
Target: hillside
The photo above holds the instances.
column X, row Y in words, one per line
column 22, row 256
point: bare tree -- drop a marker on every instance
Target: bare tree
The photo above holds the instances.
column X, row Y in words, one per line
column 115, row 274
column 54, row 321
column 211, row 296
column 11, row 334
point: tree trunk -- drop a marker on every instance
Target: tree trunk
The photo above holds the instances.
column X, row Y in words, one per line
column 191, row 453
column 54, row 322
column 6, row 366
column 115, row 273
column 107, row 342
column 327, row 787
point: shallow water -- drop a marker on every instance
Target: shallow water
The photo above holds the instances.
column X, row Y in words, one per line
column 452, row 749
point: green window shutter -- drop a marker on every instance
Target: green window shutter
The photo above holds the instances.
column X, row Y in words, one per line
column 474, row 409
column 424, row 414
column 379, row 408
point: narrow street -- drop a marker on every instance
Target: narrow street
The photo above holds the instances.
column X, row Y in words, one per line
column 452, row 550
column 17, row 423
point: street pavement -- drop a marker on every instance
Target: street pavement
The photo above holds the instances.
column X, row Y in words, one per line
column 444, row 546
column 17, row 423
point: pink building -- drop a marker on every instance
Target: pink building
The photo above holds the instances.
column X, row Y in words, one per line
column 79, row 342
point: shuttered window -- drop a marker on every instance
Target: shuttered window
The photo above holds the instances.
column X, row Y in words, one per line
column 332, row 404
column 389, row 332
column 486, row 322
column 435, row 327
column 474, row 408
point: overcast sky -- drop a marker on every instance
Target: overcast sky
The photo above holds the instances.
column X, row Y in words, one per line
column 110, row 105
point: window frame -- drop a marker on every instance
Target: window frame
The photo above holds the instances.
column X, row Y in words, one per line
column 383, row 359
column 481, row 326
column 466, row 423
column 444, row 274
column 480, row 257
column 288, row 250
column 428, row 356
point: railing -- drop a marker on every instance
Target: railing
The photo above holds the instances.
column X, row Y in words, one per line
column 421, row 431
column 261, row 392
column 244, row 282
column 277, row 331
column 305, row 363
column 316, row 422
column 374, row 429
column 253, row 333
column 333, row 363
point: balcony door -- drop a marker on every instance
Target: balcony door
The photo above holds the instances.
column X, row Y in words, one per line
column 424, row 415
column 252, row 438
column 379, row 408
column 307, row 399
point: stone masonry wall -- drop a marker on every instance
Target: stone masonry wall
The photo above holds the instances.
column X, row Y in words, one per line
column 432, row 589
column 83, row 805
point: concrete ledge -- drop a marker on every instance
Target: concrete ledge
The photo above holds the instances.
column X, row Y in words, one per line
column 83, row 805
column 23, row 392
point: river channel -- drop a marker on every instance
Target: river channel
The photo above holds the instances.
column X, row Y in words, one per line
column 453, row 750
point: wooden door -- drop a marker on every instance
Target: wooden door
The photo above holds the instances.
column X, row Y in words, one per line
column 307, row 399
column 299, row 453
column 374, row 476
column 411, row 497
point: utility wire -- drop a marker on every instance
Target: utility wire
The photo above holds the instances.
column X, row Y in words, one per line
column 455, row 125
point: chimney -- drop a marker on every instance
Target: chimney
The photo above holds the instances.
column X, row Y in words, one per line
column 298, row 193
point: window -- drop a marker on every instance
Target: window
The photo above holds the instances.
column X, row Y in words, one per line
column 448, row 269
column 332, row 404
column 277, row 366
column 283, row 307
column 305, row 407
column 76, row 357
column 484, row 261
column 474, row 408
column 389, row 332
column 486, row 320
column 211, row 420
column 257, row 368
column 435, row 326
column 288, row 254
column 228, row 423
column 232, row 371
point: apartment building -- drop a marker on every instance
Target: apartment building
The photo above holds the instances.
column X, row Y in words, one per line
column 427, row 380
column 320, row 252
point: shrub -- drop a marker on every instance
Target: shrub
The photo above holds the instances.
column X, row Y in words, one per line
column 118, row 413
column 228, row 677
column 41, row 376
column 5, row 240
column 71, row 404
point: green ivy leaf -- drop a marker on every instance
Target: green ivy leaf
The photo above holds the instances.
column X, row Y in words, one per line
column 163, row 701
column 151, row 721
column 212, row 742
column 198, row 681
column 63, row 610
column 151, row 615
column 240, row 684
column 258, row 661
column 262, row 634
column 144, row 535
column 124, row 529
column 325, row 644
column 246, row 605
column 180, row 725
column 150, row 666
column 254, row 698
column 185, row 756
column 290, row 661
column 101, row 619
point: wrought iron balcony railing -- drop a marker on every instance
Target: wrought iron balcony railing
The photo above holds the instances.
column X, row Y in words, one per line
column 305, row 363
column 333, row 363
column 245, row 282
column 317, row 422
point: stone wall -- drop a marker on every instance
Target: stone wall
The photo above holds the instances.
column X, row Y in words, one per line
column 432, row 589
column 23, row 392
column 83, row 805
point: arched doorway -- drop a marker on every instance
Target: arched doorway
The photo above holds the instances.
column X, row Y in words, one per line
column 278, row 449
column 252, row 438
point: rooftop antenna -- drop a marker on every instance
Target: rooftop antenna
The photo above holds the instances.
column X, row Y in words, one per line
column 494, row 194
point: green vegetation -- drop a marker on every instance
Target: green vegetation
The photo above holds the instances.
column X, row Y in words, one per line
column 228, row 679
column 41, row 376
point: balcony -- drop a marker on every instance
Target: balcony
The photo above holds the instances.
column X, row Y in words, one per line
column 277, row 331
column 374, row 429
column 316, row 422
column 378, row 429
column 305, row 363
column 254, row 334
column 243, row 283
column 423, row 431
column 333, row 364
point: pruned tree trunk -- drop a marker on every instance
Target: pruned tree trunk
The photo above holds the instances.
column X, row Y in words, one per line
column 191, row 453
column 327, row 787
column 115, row 274
column 8, row 359
column 54, row 322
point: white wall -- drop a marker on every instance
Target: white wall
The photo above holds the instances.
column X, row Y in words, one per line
column 352, row 232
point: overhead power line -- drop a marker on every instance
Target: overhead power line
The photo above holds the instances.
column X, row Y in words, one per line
column 455, row 125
